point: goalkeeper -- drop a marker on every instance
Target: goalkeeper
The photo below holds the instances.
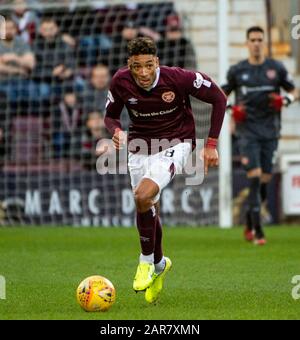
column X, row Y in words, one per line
column 157, row 100
column 257, row 82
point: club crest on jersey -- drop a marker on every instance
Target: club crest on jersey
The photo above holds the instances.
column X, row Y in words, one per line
column 245, row 76
column 168, row 97
column 271, row 74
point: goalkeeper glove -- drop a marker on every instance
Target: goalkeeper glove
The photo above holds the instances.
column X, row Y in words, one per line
column 238, row 112
column 277, row 101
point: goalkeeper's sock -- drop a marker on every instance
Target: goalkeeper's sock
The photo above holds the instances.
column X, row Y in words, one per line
column 158, row 252
column 146, row 224
column 254, row 192
column 254, row 203
column 256, row 220
column 248, row 220
column 263, row 191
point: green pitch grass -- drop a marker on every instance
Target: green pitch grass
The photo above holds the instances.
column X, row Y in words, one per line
column 215, row 275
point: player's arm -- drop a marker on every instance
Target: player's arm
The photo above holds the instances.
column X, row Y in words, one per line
column 11, row 70
column 206, row 90
column 287, row 83
column 217, row 98
column 114, row 106
column 26, row 61
column 230, row 84
column 237, row 111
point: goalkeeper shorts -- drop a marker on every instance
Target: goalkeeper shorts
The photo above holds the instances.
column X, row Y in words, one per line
column 258, row 154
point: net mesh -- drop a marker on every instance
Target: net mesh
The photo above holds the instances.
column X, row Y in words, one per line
column 52, row 114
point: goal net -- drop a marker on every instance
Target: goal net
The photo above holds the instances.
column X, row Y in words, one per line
column 52, row 112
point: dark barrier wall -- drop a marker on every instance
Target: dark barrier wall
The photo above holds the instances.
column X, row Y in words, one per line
column 85, row 198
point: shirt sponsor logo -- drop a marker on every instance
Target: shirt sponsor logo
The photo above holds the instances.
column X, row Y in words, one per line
column 168, row 97
column 246, row 90
column 152, row 114
column 271, row 74
column 245, row 76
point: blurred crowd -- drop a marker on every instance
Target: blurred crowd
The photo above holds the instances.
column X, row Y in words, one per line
column 55, row 71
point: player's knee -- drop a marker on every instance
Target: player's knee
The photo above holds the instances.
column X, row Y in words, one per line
column 254, row 173
column 143, row 201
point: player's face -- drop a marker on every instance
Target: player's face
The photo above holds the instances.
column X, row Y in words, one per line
column 143, row 69
column 256, row 44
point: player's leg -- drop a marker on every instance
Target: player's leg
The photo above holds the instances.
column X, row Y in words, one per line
column 168, row 163
column 144, row 196
column 268, row 159
column 146, row 230
column 158, row 249
column 254, row 202
column 161, row 168
column 162, row 264
column 250, row 151
column 159, row 259
column 265, row 180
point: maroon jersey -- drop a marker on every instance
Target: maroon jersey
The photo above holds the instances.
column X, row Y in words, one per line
column 164, row 112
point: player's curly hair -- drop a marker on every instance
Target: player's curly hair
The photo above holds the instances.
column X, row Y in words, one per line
column 140, row 46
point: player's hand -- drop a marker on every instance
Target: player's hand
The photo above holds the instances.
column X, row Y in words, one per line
column 277, row 101
column 119, row 139
column 238, row 113
column 209, row 154
column 211, row 159
column 58, row 70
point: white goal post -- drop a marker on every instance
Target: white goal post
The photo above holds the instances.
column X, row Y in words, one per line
column 225, row 166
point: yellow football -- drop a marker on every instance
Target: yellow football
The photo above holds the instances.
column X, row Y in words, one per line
column 96, row 294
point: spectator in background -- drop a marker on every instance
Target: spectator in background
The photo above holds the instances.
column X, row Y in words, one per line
column 94, row 132
column 26, row 20
column 55, row 58
column 66, row 124
column 95, row 90
column 174, row 49
column 118, row 53
column 93, row 49
column 16, row 64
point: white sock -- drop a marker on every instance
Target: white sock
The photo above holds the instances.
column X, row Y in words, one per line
column 147, row 258
column 160, row 266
